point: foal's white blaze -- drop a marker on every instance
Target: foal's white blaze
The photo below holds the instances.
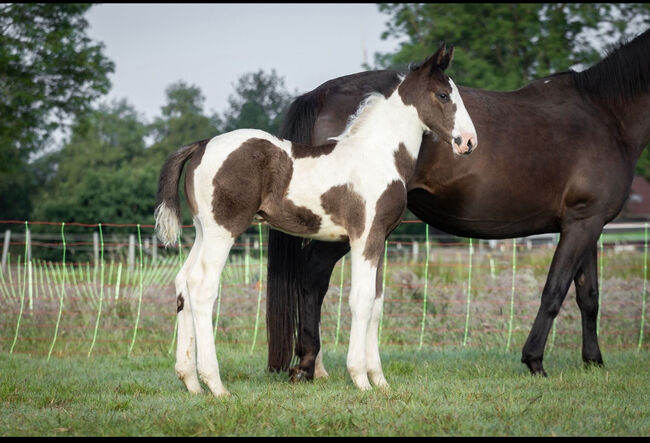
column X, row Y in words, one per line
column 463, row 125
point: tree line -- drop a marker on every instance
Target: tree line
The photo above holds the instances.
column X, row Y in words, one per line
column 53, row 78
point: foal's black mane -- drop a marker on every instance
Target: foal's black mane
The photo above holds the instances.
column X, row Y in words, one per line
column 624, row 73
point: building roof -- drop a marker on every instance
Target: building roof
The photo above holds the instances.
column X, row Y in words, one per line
column 638, row 203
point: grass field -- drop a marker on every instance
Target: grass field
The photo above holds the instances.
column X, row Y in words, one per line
column 450, row 392
column 111, row 334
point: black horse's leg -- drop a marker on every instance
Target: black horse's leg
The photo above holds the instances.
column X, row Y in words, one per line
column 576, row 238
column 321, row 257
column 586, row 282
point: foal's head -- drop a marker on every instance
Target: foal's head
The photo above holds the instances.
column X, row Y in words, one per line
column 439, row 105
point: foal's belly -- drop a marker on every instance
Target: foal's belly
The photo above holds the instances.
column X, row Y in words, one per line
column 328, row 231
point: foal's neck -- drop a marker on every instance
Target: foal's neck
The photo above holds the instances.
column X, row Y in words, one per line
column 382, row 124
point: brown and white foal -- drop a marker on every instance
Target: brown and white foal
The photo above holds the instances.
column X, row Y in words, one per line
column 351, row 189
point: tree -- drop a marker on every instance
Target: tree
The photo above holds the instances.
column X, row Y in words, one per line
column 50, row 72
column 106, row 173
column 97, row 176
column 505, row 46
column 259, row 102
column 183, row 121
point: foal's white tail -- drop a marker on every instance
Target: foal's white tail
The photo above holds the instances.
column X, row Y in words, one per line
column 168, row 224
column 168, row 204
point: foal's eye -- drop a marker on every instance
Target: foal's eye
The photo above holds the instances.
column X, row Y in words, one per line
column 443, row 97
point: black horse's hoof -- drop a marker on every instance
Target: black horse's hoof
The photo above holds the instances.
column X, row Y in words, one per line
column 593, row 363
column 539, row 373
column 298, row 375
column 535, row 367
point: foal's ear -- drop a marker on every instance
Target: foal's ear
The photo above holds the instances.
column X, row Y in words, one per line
column 440, row 53
column 438, row 59
column 434, row 59
column 445, row 61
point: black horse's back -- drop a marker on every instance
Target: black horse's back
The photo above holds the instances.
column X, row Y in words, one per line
column 558, row 155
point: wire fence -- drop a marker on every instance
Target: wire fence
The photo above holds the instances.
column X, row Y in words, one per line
column 91, row 289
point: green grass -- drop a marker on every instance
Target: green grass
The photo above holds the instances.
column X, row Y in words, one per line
column 450, row 392
column 441, row 390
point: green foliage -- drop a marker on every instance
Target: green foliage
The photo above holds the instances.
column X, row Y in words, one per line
column 259, row 102
column 16, row 185
column 96, row 179
column 183, row 121
column 505, row 46
column 50, row 72
column 643, row 164
column 105, row 172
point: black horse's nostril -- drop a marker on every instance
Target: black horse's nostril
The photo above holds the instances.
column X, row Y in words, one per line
column 469, row 144
column 458, row 140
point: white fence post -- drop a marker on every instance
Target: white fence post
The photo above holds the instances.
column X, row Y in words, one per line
column 5, row 248
column 131, row 249
column 96, row 247
column 154, row 248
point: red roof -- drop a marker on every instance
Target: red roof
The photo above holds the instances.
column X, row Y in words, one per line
column 638, row 203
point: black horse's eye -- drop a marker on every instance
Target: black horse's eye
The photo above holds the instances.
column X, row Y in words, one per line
column 443, row 97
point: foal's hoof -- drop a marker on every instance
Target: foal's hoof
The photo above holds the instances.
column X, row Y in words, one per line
column 320, row 372
column 297, row 375
column 221, row 393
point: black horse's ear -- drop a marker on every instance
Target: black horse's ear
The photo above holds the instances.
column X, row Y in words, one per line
column 445, row 62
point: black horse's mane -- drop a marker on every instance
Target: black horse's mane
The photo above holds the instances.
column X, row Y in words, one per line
column 623, row 73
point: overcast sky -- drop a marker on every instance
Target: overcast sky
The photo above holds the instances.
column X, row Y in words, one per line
column 212, row 45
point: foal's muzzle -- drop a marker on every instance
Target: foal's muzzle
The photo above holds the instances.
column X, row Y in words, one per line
column 465, row 143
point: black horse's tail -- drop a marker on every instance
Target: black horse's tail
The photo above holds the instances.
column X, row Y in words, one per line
column 285, row 254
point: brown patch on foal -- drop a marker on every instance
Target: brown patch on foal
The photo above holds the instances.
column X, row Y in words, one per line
column 347, row 209
column 180, row 303
column 380, row 274
column 410, row 90
column 388, row 214
column 191, row 165
column 299, row 150
column 404, row 162
column 254, row 179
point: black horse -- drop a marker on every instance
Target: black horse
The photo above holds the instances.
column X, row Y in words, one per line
column 557, row 155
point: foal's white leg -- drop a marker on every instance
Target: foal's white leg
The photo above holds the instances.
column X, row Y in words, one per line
column 203, row 285
column 362, row 295
column 186, row 344
column 319, row 368
column 375, row 372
